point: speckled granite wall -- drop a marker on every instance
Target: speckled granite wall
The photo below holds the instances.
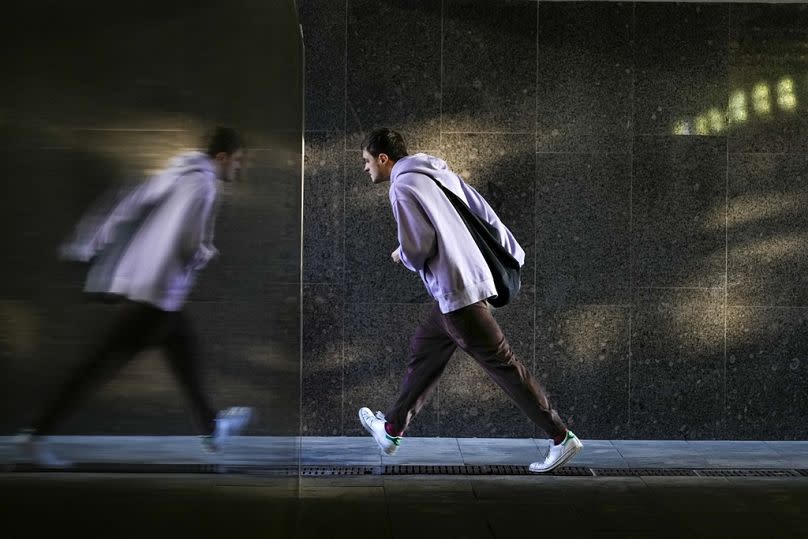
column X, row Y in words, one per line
column 650, row 157
column 94, row 97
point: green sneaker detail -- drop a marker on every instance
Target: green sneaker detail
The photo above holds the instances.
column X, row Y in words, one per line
column 395, row 439
column 570, row 436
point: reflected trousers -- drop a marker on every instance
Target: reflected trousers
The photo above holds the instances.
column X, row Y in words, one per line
column 136, row 327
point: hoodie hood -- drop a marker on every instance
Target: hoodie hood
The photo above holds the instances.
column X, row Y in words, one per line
column 191, row 162
column 424, row 164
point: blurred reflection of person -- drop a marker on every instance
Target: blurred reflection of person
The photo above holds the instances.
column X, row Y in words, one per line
column 146, row 254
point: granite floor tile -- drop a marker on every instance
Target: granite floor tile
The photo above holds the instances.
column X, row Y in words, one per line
column 599, row 454
column 499, row 451
column 425, row 451
column 795, row 453
column 666, row 454
column 740, row 454
column 341, row 451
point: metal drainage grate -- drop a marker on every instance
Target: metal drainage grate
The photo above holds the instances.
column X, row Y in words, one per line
column 578, row 471
column 336, row 470
column 471, row 470
column 746, row 473
column 639, row 472
column 493, row 469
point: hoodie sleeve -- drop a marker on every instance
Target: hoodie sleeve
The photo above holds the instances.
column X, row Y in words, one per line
column 416, row 235
column 484, row 211
column 198, row 220
column 93, row 234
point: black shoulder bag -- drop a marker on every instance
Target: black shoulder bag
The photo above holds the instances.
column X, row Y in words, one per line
column 504, row 267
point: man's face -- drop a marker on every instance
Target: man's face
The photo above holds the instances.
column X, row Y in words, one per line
column 229, row 164
column 378, row 168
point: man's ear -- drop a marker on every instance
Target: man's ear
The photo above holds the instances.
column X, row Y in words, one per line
column 221, row 156
column 383, row 158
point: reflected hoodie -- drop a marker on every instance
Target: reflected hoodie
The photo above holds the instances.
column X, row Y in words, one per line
column 433, row 239
column 153, row 243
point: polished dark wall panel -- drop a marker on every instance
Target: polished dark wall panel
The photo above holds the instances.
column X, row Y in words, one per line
column 96, row 98
column 651, row 159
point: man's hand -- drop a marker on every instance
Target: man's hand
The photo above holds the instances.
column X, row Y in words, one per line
column 205, row 254
column 76, row 252
column 396, row 255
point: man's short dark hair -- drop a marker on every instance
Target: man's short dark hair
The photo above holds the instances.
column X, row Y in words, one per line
column 225, row 139
column 387, row 141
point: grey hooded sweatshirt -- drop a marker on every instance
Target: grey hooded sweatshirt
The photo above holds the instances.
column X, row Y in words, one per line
column 153, row 243
column 433, row 239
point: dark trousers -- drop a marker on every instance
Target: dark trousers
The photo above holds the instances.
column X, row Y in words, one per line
column 474, row 330
column 136, row 327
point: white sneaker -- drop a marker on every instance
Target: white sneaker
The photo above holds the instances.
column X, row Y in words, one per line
column 374, row 424
column 37, row 452
column 558, row 455
column 229, row 422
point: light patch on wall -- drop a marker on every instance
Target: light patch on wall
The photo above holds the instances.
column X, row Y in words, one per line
column 737, row 107
column 746, row 209
column 19, row 328
column 271, row 357
column 761, row 99
column 702, row 125
column 762, row 103
column 716, row 119
column 681, row 127
column 786, row 98
column 589, row 334
column 780, row 248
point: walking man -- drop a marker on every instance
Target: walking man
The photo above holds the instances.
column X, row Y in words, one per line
column 435, row 242
column 146, row 254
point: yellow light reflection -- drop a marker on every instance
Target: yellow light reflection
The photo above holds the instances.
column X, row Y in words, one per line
column 785, row 94
column 737, row 107
column 716, row 120
column 761, row 98
column 702, row 125
column 681, row 127
column 747, row 210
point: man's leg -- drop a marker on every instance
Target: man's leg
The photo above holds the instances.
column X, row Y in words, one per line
column 129, row 333
column 180, row 346
column 430, row 350
column 475, row 330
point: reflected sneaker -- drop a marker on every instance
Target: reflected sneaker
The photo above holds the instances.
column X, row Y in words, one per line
column 559, row 454
column 229, row 422
column 35, row 450
column 374, row 424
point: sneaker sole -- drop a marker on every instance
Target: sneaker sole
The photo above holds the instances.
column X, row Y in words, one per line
column 577, row 448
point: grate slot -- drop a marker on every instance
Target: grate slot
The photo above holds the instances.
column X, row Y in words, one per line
column 640, row 472
column 746, row 473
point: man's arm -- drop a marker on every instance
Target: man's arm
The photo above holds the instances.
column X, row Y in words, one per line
column 198, row 221
column 90, row 237
column 416, row 235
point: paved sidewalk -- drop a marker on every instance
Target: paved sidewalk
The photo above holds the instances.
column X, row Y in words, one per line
column 381, row 506
column 362, row 451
